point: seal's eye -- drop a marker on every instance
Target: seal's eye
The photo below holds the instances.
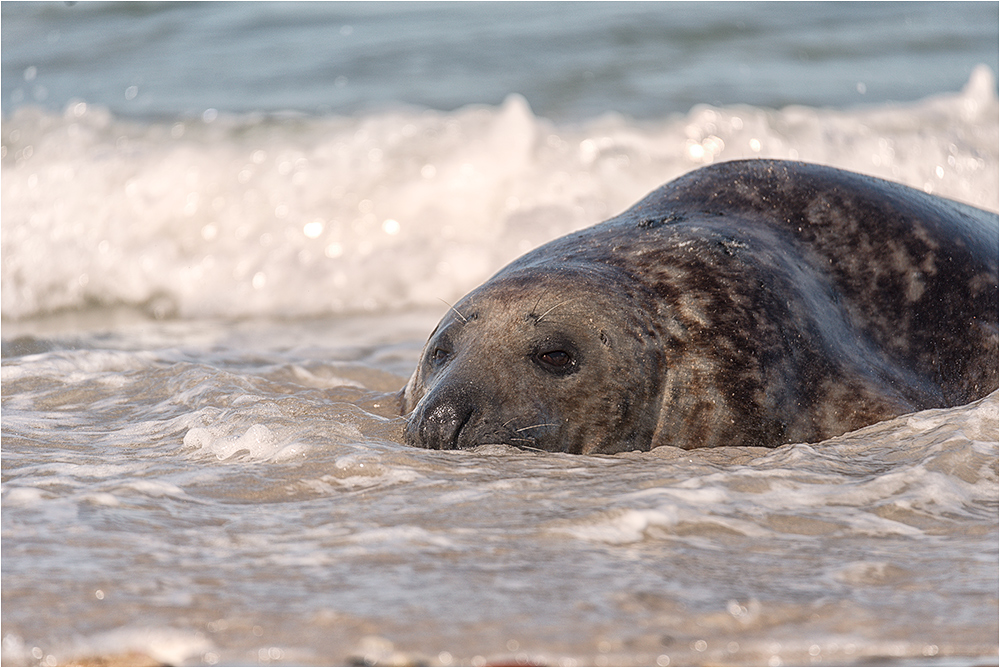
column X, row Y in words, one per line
column 438, row 356
column 555, row 358
column 556, row 361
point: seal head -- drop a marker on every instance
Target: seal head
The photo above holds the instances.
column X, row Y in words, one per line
column 553, row 371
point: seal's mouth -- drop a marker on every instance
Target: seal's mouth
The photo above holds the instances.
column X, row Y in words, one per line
column 443, row 428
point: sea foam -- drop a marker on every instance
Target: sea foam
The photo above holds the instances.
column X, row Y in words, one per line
column 252, row 215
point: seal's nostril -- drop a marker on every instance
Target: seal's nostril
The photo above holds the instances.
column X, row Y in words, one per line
column 439, row 418
column 442, row 425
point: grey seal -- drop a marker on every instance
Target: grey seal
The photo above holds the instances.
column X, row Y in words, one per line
column 748, row 303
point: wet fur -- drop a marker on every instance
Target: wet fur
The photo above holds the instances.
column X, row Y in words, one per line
column 746, row 303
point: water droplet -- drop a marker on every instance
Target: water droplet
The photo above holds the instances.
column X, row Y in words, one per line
column 313, row 229
column 391, row 227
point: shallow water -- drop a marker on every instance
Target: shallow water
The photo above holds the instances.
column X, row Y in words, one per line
column 225, row 504
column 206, row 315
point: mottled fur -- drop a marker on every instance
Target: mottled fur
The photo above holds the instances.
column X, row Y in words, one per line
column 746, row 303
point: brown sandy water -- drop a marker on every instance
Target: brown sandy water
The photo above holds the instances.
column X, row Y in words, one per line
column 226, row 503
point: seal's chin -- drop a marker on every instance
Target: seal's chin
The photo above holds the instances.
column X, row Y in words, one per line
column 500, row 449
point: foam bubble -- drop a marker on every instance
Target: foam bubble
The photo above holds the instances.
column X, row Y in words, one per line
column 258, row 442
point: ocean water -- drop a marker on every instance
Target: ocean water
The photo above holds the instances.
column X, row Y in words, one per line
column 227, row 230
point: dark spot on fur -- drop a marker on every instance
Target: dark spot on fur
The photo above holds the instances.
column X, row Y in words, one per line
column 652, row 222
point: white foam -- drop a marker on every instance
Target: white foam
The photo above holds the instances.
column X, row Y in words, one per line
column 155, row 488
column 402, row 536
column 23, row 496
column 106, row 366
column 627, row 526
column 305, row 216
column 102, row 499
column 363, row 470
column 259, row 442
column 169, row 646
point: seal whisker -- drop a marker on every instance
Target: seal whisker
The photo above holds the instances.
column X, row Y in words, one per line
column 525, row 447
column 562, row 303
column 543, row 424
column 457, row 312
column 539, row 301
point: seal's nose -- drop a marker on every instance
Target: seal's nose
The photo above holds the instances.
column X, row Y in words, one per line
column 439, row 419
